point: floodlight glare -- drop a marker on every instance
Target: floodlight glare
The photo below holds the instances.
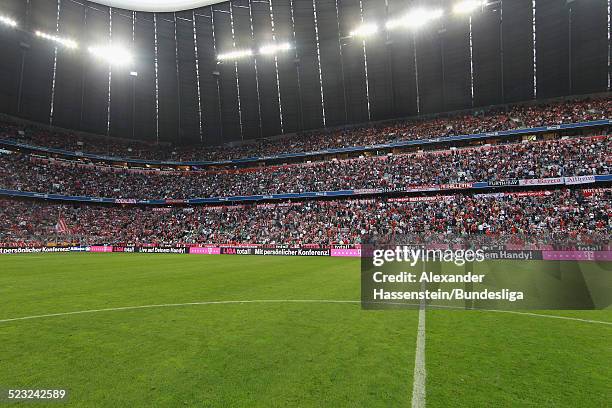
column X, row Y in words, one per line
column 8, row 21
column 112, row 54
column 364, row 30
column 415, row 19
column 234, row 55
column 66, row 42
column 274, row 48
column 468, row 6
column 395, row 23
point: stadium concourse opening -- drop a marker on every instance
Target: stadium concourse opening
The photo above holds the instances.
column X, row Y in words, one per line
column 236, row 203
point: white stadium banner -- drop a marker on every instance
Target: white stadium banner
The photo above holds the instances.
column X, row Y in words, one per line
column 580, row 180
column 541, row 182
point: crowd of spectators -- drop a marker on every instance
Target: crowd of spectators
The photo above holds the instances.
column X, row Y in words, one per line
column 528, row 216
column 519, row 116
column 553, row 158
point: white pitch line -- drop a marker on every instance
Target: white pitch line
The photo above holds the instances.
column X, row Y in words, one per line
column 214, row 302
column 576, row 319
column 420, row 373
column 229, row 302
column 419, row 377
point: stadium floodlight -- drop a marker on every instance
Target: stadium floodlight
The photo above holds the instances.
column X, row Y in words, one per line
column 112, row 54
column 8, row 21
column 468, row 6
column 271, row 49
column 234, row 55
column 415, row 19
column 66, row 42
column 365, row 30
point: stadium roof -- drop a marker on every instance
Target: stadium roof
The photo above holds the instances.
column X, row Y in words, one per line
column 158, row 5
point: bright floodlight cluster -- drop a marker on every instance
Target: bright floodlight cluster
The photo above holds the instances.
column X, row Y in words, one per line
column 8, row 21
column 413, row 20
column 417, row 18
column 269, row 49
column 272, row 49
column 468, row 6
column 364, row 30
column 66, row 42
column 112, row 54
column 234, row 55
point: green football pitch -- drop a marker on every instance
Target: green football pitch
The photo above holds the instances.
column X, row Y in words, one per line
column 132, row 330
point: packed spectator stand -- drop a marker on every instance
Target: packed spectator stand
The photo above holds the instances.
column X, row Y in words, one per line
column 496, row 119
column 544, row 214
column 533, row 217
column 570, row 157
